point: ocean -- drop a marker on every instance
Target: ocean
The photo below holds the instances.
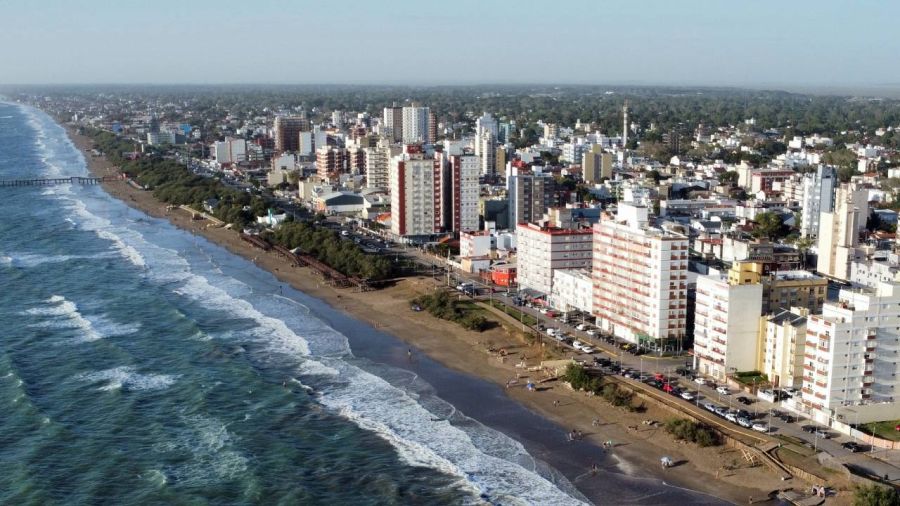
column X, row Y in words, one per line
column 140, row 364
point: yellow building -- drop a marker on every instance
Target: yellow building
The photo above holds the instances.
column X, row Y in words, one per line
column 782, row 289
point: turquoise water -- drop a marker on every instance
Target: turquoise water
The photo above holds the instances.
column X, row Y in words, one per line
column 140, row 365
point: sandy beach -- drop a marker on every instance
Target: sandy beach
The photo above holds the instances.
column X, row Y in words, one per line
column 718, row 471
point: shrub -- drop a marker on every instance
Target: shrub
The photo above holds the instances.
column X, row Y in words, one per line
column 688, row 430
column 875, row 495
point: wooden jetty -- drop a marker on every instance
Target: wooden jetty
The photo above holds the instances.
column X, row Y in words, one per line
column 5, row 183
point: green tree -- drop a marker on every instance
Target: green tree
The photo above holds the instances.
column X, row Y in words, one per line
column 876, row 495
column 768, row 225
column 729, row 178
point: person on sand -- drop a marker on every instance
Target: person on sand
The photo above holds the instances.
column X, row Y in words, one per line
column 409, row 353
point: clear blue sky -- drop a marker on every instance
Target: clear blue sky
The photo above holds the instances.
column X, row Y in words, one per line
column 759, row 42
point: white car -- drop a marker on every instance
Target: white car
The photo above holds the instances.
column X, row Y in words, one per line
column 688, row 396
column 551, row 331
column 578, row 345
column 581, row 326
column 790, row 391
column 590, row 332
column 723, row 390
column 731, row 417
column 588, row 349
column 700, row 380
column 760, row 427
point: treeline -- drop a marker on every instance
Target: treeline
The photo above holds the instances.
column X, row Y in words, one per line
column 579, row 378
column 327, row 246
column 173, row 183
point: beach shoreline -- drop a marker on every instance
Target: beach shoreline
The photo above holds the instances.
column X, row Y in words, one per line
column 638, row 446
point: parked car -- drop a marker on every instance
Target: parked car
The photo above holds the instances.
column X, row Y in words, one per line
column 590, row 332
column 790, row 391
column 588, row 349
column 709, row 407
column 744, row 422
column 723, row 390
column 760, row 427
column 853, row 446
column 688, row 395
column 822, row 434
column 731, row 416
column 808, row 428
column 721, row 411
column 667, row 387
column 786, row 418
column 744, row 400
column 700, row 380
column 577, row 345
column 581, row 326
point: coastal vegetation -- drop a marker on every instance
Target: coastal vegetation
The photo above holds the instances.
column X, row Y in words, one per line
column 578, row 377
column 876, row 495
column 689, row 430
column 172, row 182
column 326, row 246
column 443, row 306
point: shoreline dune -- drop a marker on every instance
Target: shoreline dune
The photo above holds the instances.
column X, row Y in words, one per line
column 718, row 471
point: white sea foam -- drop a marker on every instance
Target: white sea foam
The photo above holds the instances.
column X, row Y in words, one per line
column 128, row 379
column 211, row 447
column 31, row 260
column 64, row 314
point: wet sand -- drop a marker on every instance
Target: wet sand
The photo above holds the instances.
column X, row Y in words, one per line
column 717, row 471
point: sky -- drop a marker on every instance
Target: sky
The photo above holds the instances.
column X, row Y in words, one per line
column 758, row 43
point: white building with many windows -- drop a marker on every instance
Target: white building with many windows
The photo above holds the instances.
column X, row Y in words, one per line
column 850, row 367
column 726, row 325
column 640, row 279
column 572, row 290
column 543, row 250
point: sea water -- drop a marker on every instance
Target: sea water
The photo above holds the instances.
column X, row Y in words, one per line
column 140, row 364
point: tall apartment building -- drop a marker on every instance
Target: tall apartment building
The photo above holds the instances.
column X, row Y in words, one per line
column 416, row 125
column 852, row 357
column 596, row 165
column 415, row 181
column 487, row 153
column 378, row 164
column 839, row 231
column 726, row 325
column 818, row 197
column 784, row 345
column 486, row 124
column 529, row 197
column 640, row 280
column 392, row 123
column 287, row 132
column 542, row 250
column 331, row 162
column 230, row 151
column 459, row 192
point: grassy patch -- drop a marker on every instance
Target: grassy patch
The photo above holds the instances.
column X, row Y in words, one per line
column 465, row 313
column 525, row 318
column 750, row 378
column 884, row 430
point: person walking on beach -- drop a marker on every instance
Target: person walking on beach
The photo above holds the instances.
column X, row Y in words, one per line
column 409, row 353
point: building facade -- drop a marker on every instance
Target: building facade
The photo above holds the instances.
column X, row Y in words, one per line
column 784, row 345
column 287, row 132
column 839, row 232
column 415, row 182
column 529, row 197
column 818, row 197
column 416, row 125
column 852, row 356
column 726, row 325
column 543, row 250
column 572, row 290
column 640, row 280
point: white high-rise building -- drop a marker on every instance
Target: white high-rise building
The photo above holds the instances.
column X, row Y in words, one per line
column 415, row 181
column 839, row 231
column 640, row 279
column 486, row 124
column 415, row 125
column 726, row 325
column 818, row 197
column 378, row 163
column 852, row 357
column 230, row 151
column 392, row 123
column 542, row 250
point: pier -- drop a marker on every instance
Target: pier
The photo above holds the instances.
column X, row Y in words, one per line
column 5, row 183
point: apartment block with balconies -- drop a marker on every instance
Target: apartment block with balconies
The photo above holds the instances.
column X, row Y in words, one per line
column 726, row 325
column 640, row 280
column 852, row 355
